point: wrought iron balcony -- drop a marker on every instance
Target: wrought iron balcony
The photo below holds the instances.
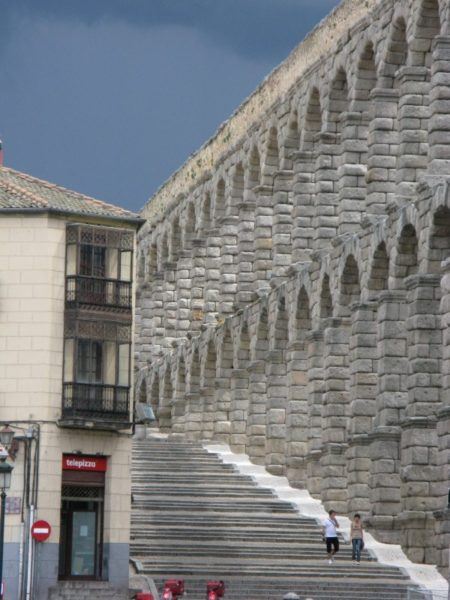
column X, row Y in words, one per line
column 98, row 292
column 97, row 406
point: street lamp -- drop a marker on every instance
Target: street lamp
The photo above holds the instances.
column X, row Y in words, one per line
column 6, row 438
column 5, row 475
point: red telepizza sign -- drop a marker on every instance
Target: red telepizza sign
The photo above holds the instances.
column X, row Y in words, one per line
column 82, row 462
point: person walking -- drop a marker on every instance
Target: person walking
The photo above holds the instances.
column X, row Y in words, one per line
column 357, row 537
column 330, row 527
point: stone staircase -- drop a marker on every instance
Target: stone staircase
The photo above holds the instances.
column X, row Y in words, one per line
column 85, row 590
column 196, row 518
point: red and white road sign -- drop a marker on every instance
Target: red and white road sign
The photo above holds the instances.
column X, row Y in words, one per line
column 41, row 530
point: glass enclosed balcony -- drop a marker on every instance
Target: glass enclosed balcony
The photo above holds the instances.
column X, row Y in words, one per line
column 99, row 267
column 96, row 386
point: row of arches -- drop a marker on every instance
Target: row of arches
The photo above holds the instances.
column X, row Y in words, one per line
column 349, row 145
column 335, row 377
column 377, row 67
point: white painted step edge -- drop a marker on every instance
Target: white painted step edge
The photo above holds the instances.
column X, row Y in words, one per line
column 426, row 576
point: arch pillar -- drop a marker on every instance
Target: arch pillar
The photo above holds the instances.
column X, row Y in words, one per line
column 194, row 415
column 165, row 409
column 419, row 441
column 246, row 235
column 178, row 412
column 442, row 514
column 413, row 115
column 297, row 412
column 392, row 398
column 208, row 417
column 228, row 263
column 315, row 399
column 282, row 225
column 183, row 287
column 211, row 290
column 325, row 213
column 256, row 421
column 303, row 205
column 335, row 413
column 157, row 310
column 352, row 171
column 363, row 390
column 239, row 410
column 439, row 125
column 197, row 276
column 144, row 321
column 276, row 370
column 382, row 154
column 222, row 403
column 170, row 302
column 263, row 235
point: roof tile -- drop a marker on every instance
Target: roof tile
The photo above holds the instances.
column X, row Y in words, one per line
column 19, row 191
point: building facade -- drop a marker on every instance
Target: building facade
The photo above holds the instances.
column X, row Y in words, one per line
column 294, row 275
column 66, row 297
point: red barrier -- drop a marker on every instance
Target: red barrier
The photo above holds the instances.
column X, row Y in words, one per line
column 173, row 589
column 215, row 590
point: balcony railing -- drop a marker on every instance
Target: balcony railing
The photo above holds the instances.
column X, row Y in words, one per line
column 108, row 293
column 96, row 402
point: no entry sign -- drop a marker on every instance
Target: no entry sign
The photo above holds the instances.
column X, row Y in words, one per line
column 40, row 531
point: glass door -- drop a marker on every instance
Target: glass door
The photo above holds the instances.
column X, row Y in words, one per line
column 84, row 543
column 81, row 539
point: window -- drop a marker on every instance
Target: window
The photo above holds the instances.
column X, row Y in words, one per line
column 92, row 260
column 89, row 362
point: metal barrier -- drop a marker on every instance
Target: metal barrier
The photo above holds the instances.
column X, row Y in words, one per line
column 98, row 291
column 96, row 400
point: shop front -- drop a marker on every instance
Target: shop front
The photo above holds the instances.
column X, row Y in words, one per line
column 82, row 516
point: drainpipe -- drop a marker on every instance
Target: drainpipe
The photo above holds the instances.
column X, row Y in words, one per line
column 30, row 554
column 22, row 539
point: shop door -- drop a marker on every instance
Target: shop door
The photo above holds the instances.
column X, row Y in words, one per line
column 81, row 534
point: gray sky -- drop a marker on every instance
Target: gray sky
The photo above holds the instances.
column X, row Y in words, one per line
column 109, row 97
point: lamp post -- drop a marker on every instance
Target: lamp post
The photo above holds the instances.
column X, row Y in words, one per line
column 5, row 483
column 6, row 438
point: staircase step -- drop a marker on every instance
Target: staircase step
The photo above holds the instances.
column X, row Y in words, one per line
column 197, row 518
column 85, row 590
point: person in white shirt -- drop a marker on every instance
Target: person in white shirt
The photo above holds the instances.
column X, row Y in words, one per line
column 330, row 535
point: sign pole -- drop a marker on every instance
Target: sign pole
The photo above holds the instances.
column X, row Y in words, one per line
column 2, row 537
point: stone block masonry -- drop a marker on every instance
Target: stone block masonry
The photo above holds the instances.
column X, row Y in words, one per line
column 293, row 294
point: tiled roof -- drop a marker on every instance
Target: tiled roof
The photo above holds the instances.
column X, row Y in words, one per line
column 19, row 192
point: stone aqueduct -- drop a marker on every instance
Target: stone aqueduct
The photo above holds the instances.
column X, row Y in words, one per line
column 294, row 275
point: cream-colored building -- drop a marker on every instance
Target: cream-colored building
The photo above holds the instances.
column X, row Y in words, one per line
column 66, row 312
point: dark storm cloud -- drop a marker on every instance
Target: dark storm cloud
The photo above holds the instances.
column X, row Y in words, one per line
column 109, row 97
column 252, row 28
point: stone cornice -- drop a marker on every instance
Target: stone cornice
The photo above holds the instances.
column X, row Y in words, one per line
column 423, row 280
column 315, row 336
column 391, row 296
column 385, row 433
column 257, row 366
column 334, row 448
column 384, row 94
column 360, row 439
column 419, row 423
